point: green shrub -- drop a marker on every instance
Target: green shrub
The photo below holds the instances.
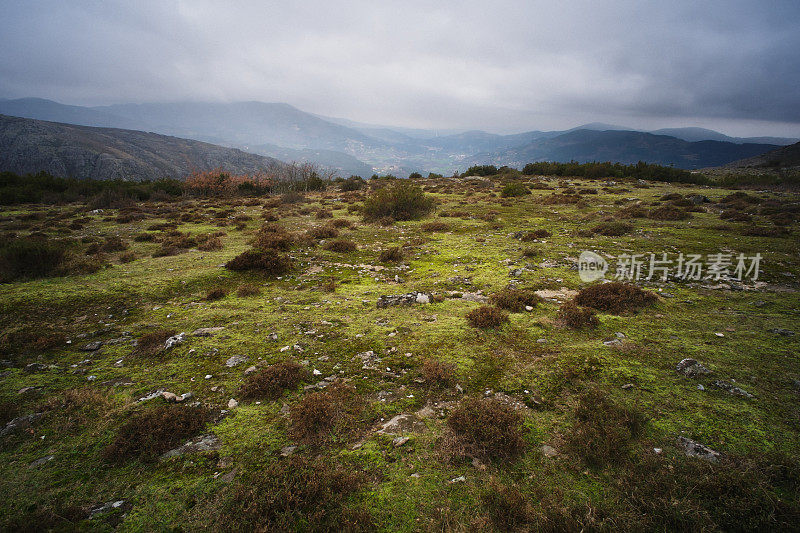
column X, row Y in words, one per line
column 514, row 189
column 30, row 258
column 400, row 200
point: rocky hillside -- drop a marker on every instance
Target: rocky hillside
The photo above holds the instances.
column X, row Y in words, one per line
column 66, row 150
column 782, row 158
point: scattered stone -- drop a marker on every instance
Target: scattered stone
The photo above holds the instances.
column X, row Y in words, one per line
column 701, row 387
column 174, row 340
column 232, row 404
column 613, row 343
column 549, row 451
column 695, row 449
column 698, row 199
column 250, row 370
column 691, row 368
column 627, row 386
column 152, row 396
column 399, row 441
column 92, row 346
column 459, row 479
column 402, row 423
column 368, row 359
column 204, row 443
column 316, row 372
column 206, row 332
column 402, row 299
column 35, row 367
column 169, row 396
column 21, row 422
column 732, row 389
column 286, row 451
column 235, row 360
column 41, row 461
column 475, row 297
column 106, row 507
column 781, row 331
column 273, row 336
column 657, row 451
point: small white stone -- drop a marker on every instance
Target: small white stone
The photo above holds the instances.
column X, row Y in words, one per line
column 232, row 404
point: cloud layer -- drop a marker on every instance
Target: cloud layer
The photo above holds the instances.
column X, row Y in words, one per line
column 500, row 66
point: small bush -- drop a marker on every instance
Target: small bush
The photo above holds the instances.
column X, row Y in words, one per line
column 267, row 261
column 527, row 236
column 340, row 246
column 127, row 257
column 323, row 232
column 152, row 343
column 487, row 429
column 391, row 255
column 514, row 189
column 487, row 317
column 324, row 213
column 292, row 494
column 149, row 434
column 210, row 244
column 438, row 374
column 668, row 213
column 400, row 201
column 114, row 244
column 572, row 316
column 270, row 383
column 247, row 290
column 431, row 227
column 216, row 294
column 514, row 300
column 613, row 229
column 341, row 223
column 602, row 429
column 30, row 258
column 615, row 297
column 328, row 415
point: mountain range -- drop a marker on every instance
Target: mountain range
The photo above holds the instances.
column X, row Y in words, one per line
column 67, row 150
column 284, row 132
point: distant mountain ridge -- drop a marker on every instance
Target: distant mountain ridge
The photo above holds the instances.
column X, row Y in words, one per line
column 68, row 150
column 277, row 129
column 628, row 147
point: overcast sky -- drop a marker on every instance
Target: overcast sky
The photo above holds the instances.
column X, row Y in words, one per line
column 501, row 66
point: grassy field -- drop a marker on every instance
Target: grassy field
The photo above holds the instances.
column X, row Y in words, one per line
column 528, row 426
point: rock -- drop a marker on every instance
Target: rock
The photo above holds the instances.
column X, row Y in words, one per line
column 399, row 441
column 627, row 386
column 459, row 479
column 106, row 507
column 152, row 396
column 92, row 346
column 21, row 422
column 613, row 343
column 235, row 360
column 402, row 423
column 783, row 332
column 695, row 449
column 204, row 443
column 174, row 340
column 698, row 199
column 368, row 359
column 250, row 370
column 549, row 451
column 35, row 367
column 402, row 299
column 41, row 461
column 691, row 368
column 286, row 451
column 206, row 332
column 273, row 336
column 316, row 372
column 732, row 389
column 232, row 404
column 475, row 297
column 169, row 396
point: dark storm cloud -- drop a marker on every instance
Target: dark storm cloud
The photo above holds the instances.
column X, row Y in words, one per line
column 497, row 66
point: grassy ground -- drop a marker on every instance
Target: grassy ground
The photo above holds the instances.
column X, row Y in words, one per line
column 577, row 470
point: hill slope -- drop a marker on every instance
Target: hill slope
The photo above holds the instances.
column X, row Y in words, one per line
column 66, row 150
column 627, row 147
column 781, row 158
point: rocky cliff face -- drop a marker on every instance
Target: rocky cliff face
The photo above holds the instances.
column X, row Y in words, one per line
column 29, row 146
